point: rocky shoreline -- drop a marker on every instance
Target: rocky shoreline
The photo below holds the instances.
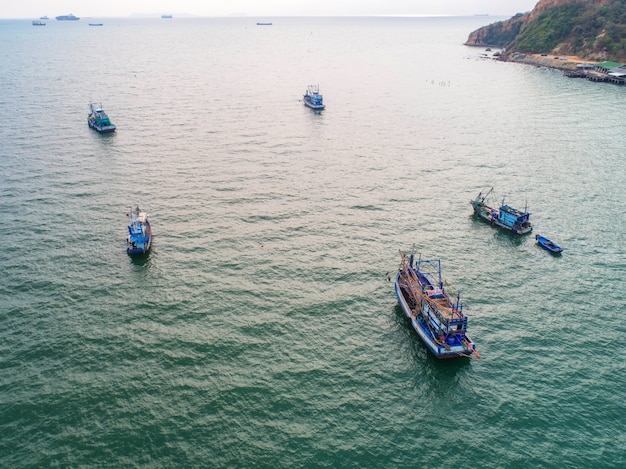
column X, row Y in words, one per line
column 564, row 63
column 571, row 66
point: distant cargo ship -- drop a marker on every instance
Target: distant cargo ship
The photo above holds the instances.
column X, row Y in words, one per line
column 69, row 17
column 166, row 16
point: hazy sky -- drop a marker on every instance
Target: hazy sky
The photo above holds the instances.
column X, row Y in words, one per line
column 121, row 8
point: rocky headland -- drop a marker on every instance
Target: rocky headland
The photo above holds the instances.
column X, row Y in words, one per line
column 575, row 30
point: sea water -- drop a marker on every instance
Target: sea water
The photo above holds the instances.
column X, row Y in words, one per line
column 262, row 329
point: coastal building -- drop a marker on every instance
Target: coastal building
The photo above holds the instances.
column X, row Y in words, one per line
column 606, row 67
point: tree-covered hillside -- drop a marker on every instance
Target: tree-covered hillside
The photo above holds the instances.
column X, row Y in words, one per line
column 585, row 28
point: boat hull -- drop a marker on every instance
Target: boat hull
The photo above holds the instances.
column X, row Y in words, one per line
column 317, row 107
column 103, row 129
column 454, row 350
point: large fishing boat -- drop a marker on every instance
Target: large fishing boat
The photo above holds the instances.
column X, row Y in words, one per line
column 139, row 232
column 98, row 120
column 312, row 98
column 69, row 17
column 506, row 217
column 437, row 319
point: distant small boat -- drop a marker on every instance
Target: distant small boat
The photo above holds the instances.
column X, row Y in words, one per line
column 506, row 217
column 437, row 318
column 44, row 18
column 38, row 23
column 69, row 17
column 166, row 16
column 139, row 232
column 264, row 24
column 98, row 120
column 548, row 245
column 313, row 99
column 95, row 24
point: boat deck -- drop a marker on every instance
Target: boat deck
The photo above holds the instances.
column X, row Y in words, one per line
column 435, row 298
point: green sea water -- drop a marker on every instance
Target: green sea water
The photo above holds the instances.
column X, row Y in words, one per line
column 262, row 329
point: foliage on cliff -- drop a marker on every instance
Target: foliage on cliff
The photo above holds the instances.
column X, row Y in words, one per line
column 589, row 29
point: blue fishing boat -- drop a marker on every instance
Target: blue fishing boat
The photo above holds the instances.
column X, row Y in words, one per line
column 548, row 245
column 313, row 99
column 438, row 320
column 139, row 232
column 506, row 217
column 98, row 120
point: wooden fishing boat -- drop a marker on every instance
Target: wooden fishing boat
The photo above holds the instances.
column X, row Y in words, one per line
column 548, row 245
column 139, row 232
column 506, row 217
column 438, row 320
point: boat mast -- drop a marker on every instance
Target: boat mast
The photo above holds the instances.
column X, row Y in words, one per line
column 485, row 196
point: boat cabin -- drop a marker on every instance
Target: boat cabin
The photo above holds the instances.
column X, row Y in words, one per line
column 510, row 216
column 316, row 98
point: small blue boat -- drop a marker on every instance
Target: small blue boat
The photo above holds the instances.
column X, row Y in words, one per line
column 98, row 120
column 313, row 99
column 506, row 217
column 437, row 319
column 139, row 232
column 548, row 245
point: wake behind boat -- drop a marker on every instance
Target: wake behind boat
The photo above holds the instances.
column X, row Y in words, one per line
column 98, row 120
column 139, row 232
column 313, row 99
column 506, row 217
column 437, row 319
